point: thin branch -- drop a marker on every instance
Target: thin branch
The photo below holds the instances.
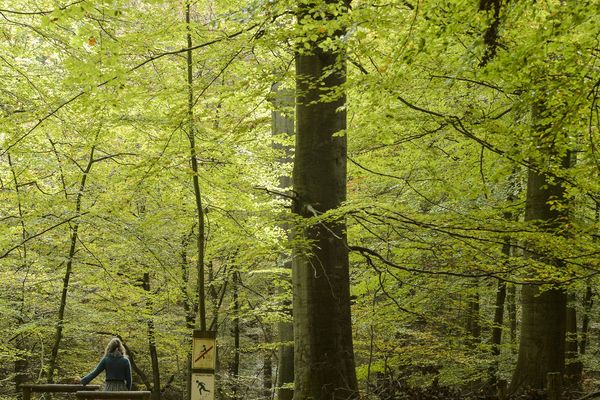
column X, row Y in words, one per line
column 7, row 252
column 368, row 253
column 110, row 156
column 481, row 83
column 198, row 46
column 60, row 8
column 276, row 193
column 45, row 117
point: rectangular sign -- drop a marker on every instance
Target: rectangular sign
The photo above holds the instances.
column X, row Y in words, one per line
column 203, row 386
column 203, row 353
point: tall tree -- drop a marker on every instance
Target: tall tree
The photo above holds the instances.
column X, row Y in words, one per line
column 191, row 133
column 74, row 234
column 542, row 344
column 282, row 123
column 323, row 352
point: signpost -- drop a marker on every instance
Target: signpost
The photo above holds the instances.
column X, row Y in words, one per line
column 204, row 356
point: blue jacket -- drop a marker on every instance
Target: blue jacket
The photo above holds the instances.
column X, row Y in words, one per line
column 117, row 368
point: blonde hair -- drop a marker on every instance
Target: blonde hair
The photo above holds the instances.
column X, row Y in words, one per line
column 115, row 348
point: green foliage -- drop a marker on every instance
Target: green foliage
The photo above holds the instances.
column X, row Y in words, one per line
column 439, row 146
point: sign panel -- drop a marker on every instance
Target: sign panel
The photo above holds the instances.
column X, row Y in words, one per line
column 203, row 353
column 203, row 386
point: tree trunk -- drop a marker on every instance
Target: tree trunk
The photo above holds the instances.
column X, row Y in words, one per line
column 188, row 306
column 69, row 269
column 285, row 369
column 585, row 323
column 588, row 301
column 234, row 366
column 152, row 341
column 498, row 325
column 573, row 367
column 195, row 180
column 323, row 353
column 267, row 364
column 21, row 362
column 283, row 123
column 499, row 307
column 511, row 309
column 542, row 345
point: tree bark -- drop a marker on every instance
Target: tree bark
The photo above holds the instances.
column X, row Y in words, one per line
column 195, row 179
column 573, row 367
column 152, row 341
column 585, row 322
column 500, row 301
column 542, row 345
column 588, row 301
column 498, row 325
column 511, row 309
column 267, row 364
column 234, row 366
column 282, row 123
column 323, row 352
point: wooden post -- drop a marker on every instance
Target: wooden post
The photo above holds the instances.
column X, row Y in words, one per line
column 501, row 387
column 26, row 393
column 554, row 385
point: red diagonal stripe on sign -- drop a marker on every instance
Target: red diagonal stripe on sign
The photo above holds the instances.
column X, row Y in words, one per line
column 204, row 353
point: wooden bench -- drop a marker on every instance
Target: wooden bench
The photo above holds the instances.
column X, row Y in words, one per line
column 121, row 395
column 29, row 388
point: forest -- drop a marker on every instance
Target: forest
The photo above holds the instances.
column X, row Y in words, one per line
column 361, row 199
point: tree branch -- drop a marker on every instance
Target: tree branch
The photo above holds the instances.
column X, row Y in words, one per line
column 60, row 8
column 7, row 252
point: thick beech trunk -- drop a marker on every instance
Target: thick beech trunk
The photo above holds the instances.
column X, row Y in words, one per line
column 588, row 300
column 542, row 345
column 323, row 353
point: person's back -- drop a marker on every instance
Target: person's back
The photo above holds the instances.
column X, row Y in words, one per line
column 117, row 367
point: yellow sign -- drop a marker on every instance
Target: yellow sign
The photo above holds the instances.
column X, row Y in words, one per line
column 203, row 386
column 203, row 353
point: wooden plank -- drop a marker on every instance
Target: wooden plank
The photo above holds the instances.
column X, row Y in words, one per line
column 141, row 394
column 56, row 387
